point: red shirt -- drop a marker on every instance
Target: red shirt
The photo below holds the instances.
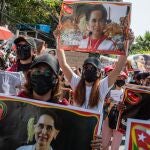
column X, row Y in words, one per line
column 62, row 102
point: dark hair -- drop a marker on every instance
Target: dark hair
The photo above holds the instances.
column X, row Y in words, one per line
column 2, row 64
column 94, row 8
column 52, row 114
column 80, row 93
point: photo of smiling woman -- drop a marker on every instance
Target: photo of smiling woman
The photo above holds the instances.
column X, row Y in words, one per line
column 96, row 27
column 96, row 18
column 44, row 129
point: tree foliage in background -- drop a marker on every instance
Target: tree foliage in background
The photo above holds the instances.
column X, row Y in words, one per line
column 142, row 44
column 29, row 11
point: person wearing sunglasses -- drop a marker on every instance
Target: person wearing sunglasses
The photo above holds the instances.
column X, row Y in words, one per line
column 25, row 50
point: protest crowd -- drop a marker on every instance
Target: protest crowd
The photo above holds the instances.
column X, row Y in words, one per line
column 44, row 74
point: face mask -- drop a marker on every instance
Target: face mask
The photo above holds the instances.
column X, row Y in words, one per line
column 24, row 52
column 42, row 83
column 120, row 83
column 90, row 75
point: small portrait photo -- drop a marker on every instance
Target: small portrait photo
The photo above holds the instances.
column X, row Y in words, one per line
column 41, row 131
column 95, row 27
column 140, row 62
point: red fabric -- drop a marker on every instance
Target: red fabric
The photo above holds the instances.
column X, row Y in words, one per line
column 123, row 74
column 63, row 102
column 1, row 112
column 94, row 43
column 13, row 68
column 142, row 142
column 5, row 33
column 108, row 68
column 24, row 95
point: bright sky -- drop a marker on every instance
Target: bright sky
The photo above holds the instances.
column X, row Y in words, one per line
column 140, row 19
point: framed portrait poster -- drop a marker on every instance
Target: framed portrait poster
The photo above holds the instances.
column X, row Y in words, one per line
column 139, row 62
column 27, row 123
column 95, row 27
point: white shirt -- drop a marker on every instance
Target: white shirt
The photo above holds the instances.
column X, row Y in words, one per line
column 104, row 45
column 103, row 90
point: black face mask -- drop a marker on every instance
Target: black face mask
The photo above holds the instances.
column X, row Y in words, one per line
column 42, row 83
column 120, row 83
column 24, row 51
column 90, row 75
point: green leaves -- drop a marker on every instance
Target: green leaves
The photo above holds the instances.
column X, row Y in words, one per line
column 142, row 44
column 32, row 11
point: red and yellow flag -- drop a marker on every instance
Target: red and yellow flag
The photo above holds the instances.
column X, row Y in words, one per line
column 139, row 136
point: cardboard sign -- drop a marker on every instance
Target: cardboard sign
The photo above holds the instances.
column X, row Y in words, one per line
column 137, row 102
column 116, row 95
column 95, row 27
column 10, row 82
column 137, row 135
column 139, row 62
column 22, row 118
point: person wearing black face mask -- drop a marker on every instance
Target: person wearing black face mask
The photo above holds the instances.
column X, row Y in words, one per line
column 111, row 106
column 90, row 95
column 25, row 49
column 90, row 73
column 42, row 80
column 120, row 83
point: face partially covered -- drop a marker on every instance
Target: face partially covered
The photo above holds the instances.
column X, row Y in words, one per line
column 24, row 51
column 42, row 76
column 45, row 131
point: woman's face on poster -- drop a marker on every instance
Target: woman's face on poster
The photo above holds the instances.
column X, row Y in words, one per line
column 141, row 60
column 96, row 23
column 45, row 130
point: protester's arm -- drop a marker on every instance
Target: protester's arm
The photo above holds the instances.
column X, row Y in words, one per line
column 122, row 60
column 63, row 64
column 62, row 58
column 118, row 67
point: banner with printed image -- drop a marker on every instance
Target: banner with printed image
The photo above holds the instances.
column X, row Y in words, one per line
column 21, row 118
column 137, row 102
column 137, row 135
column 95, row 27
column 10, row 82
column 139, row 62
